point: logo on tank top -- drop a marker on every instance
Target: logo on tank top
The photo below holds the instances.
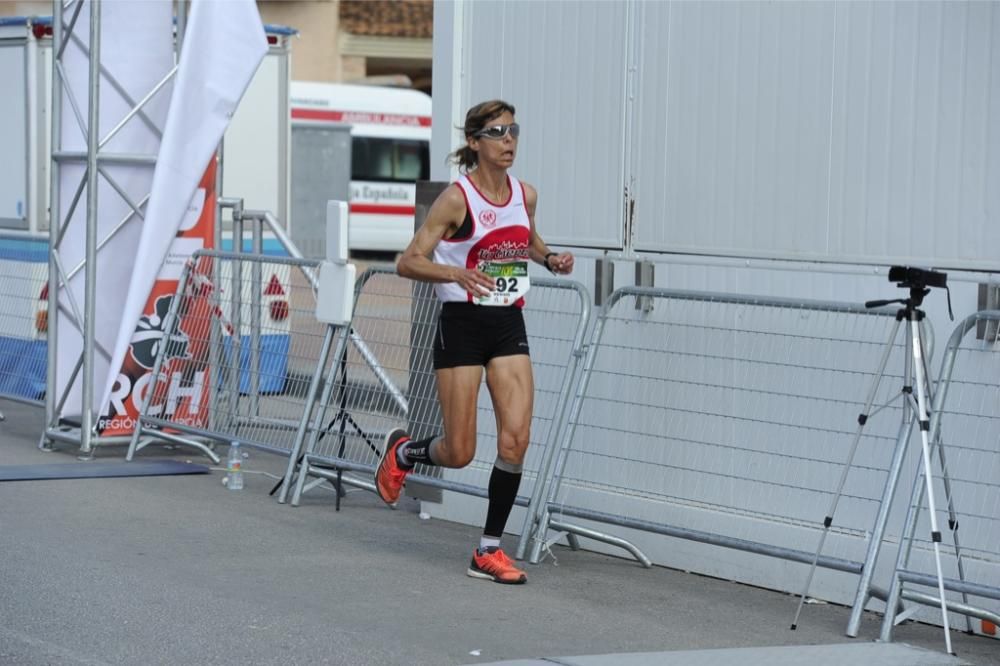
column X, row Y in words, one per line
column 488, row 218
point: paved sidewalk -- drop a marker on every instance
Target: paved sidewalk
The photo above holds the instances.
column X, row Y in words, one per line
column 883, row 654
column 179, row 570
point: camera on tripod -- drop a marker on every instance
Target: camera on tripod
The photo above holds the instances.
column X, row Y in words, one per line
column 917, row 278
column 918, row 281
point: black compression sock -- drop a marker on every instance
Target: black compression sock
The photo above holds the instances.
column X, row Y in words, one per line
column 502, row 493
column 411, row 453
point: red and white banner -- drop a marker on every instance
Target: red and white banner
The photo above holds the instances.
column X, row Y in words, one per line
column 181, row 393
column 223, row 45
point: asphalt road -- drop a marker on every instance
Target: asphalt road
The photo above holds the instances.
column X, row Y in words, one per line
column 179, row 570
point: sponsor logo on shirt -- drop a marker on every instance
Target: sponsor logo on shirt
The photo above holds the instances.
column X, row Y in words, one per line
column 504, row 250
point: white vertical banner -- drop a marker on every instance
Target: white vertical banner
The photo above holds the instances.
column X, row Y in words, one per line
column 136, row 53
column 223, row 45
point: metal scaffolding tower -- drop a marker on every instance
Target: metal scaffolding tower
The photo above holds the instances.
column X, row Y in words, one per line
column 64, row 307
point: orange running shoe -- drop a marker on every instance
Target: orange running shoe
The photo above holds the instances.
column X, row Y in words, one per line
column 494, row 565
column 389, row 475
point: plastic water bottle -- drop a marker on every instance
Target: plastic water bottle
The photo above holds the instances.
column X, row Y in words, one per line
column 234, row 467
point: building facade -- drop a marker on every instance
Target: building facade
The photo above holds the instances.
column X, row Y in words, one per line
column 376, row 41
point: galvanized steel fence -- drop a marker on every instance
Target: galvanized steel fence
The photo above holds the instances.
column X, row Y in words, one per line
column 397, row 318
column 726, row 420
column 965, row 437
column 714, row 418
column 247, row 330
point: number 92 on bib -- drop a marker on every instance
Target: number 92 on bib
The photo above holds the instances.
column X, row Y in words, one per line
column 510, row 279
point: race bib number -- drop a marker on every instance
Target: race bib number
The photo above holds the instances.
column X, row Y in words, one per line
column 512, row 282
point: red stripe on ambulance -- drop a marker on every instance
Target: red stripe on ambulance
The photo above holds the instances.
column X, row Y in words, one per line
column 381, row 209
column 371, row 117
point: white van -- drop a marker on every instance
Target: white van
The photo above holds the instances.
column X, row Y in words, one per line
column 390, row 132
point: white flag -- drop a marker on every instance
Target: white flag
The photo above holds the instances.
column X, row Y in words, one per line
column 223, row 45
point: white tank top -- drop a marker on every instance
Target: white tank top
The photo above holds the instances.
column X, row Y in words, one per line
column 501, row 233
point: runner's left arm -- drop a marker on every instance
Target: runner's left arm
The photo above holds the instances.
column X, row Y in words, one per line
column 559, row 262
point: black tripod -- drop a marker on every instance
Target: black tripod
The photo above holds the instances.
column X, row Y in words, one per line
column 918, row 282
column 342, row 419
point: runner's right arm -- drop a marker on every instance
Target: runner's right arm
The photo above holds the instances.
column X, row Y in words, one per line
column 443, row 219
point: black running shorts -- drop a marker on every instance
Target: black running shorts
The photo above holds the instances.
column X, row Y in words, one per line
column 469, row 334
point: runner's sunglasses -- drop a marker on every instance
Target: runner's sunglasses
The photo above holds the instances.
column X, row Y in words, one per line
column 499, row 131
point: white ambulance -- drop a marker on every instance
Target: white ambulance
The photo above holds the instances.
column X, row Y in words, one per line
column 390, row 133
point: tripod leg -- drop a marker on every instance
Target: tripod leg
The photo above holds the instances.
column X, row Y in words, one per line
column 341, row 434
column 907, row 536
column 925, row 427
column 917, row 498
column 953, row 523
column 363, row 435
column 889, row 492
column 862, row 419
column 909, row 524
column 937, row 405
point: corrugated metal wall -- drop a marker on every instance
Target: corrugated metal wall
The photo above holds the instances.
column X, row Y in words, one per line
column 564, row 72
column 851, row 132
column 842, row 131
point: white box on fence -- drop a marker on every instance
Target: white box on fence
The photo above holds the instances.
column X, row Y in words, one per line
column 335, row 295
column 336, row 231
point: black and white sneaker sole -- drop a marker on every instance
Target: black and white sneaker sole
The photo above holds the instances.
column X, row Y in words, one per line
column 473, row 572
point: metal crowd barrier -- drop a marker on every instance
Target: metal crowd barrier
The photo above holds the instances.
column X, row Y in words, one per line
column 243, row 332
column 397, row 319
column 726, row 420
column 965, row 436
column 23, row 320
